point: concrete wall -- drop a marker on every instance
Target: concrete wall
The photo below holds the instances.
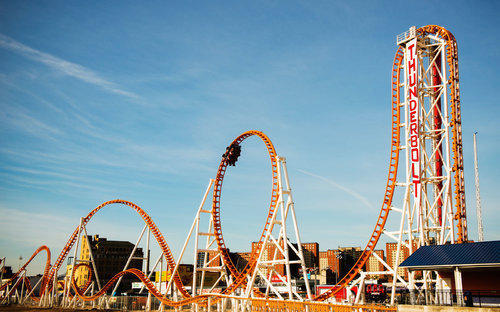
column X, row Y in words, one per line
column 420, row 308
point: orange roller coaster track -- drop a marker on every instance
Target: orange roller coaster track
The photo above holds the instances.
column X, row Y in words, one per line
column 391, row 182
column 460, row 216
column 240, row 277
column 80, row 291
column 149, row 222
column 456, row 123
column 50, row 271
column 19, row 272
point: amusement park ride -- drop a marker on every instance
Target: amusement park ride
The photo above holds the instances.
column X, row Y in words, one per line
column 427, row 198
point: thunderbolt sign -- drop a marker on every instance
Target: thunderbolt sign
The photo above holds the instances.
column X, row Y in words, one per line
column 413, row 111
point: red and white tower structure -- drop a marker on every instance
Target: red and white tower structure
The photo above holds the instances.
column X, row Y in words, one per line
column 425, row 188
column 433, row 206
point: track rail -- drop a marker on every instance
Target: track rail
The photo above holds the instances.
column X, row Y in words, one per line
column 80, row 291
column 460, row 216
column 44, row 277
column 240, row 278
column 456, row 124
column 149, row 222
column 391, row 181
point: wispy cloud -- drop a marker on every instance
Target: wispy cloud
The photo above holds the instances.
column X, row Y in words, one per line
column 66, row 67
column 23, row 121
column 38, row 228
column 358, row 196
column 5, row 80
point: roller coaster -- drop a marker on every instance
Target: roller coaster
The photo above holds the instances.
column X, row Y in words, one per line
column 428, row 200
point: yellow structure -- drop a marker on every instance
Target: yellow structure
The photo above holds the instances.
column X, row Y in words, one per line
column 82, row 273
column 165, row 276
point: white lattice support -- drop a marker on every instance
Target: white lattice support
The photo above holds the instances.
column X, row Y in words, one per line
column 32, row 290
column 277, row 239
column 210, row 248
column 425, row 186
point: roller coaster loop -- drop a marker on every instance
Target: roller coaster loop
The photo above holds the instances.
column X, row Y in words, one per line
column 240, row 278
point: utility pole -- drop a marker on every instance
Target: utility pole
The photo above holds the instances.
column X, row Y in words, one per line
column 478, row 196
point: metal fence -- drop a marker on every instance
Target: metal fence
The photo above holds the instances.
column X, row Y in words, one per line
column 263, row 305
column 468, row 298
column 138, row 303
column 126, row 303
column 131, row 303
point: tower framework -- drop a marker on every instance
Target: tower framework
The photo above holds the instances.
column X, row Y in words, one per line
column 425, row 189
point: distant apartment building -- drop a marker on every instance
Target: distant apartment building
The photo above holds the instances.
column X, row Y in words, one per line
column 110, row 258
column 311, row 255
column 326, row 260
column 211, row 257
column 347, row 257
column 270, row 253
column 334, row 257
column 309, row 250
column 329, row 264
column 240, row 259
column 323, row 266
column 404, row 252
column 334, row 264
column 185, row 272
column 374, row 265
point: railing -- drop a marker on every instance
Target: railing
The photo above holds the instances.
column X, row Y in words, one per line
column 137, row 303
column 263, row 305
column 120, row 303
column 126, row 303
column 468, row 298
column 409, row 34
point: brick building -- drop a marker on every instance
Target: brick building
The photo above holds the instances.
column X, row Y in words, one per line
column 326, row 261
column 404, row 252
column 311, row 258
column 347, row 258
column 311, row 255
column 240, row 259
column 268, row 254
column 334, row 256
column 213, row 260
column 373, row 265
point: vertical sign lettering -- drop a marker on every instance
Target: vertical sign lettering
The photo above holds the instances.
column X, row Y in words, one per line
column 413, row 118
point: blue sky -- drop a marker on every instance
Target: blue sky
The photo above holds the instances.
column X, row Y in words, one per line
column 138, row 100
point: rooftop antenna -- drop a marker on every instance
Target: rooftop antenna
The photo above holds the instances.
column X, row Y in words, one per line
column 478, row 196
